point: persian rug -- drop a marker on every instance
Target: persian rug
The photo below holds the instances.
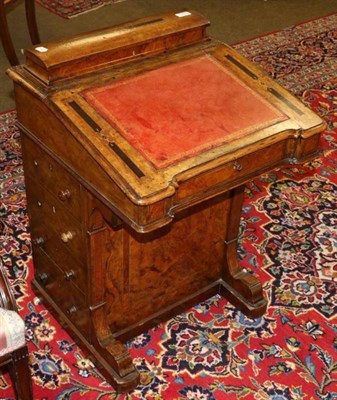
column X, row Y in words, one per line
column 288, row 239
column 70, row 8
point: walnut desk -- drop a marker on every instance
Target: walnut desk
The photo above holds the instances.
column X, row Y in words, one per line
column 137, row 142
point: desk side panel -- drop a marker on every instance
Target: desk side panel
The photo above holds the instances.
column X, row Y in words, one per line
column 168, row 267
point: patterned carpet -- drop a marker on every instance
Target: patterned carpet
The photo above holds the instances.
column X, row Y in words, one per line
column 70, row 8
column 289, row 239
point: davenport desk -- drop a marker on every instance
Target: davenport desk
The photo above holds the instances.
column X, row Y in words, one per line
column 137, row 142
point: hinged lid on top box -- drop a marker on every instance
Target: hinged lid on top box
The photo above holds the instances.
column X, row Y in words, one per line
column 100, row 49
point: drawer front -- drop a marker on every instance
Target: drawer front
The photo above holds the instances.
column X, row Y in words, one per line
column 48, row 241
column 227, row 175
column 52, row 176
column 49, row 219
column 68, row 298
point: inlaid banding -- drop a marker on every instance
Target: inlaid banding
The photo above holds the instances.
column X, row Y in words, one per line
column 126, row 160
column 79, row 110
column 241, row 66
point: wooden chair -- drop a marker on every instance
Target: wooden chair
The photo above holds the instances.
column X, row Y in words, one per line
column 13, row 347
column 5, row 35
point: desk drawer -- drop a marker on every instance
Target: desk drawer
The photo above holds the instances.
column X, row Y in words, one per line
column 68, row 298
column 240, row 170
column 52, row 176
column 72, row 269
column 49, row 218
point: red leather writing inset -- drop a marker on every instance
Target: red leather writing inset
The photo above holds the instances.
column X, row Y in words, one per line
column 181, row 110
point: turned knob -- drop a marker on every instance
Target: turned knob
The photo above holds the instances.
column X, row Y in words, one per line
column 67, row 236
column 237, row 166
column 72, row 310
column 43, row 277
column 64, row 195
column 69, row 274
column 37, row 301
column 39, row 241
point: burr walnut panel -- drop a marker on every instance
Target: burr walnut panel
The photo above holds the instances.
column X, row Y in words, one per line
column 167, row 267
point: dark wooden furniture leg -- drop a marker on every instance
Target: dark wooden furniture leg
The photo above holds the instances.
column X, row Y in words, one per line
column 31, row 21
column 20, row 374
column 17, row 360
column 5, row 35
column 240, row 287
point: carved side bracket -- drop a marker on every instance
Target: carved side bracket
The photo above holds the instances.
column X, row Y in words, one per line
column 114, row 359
column 240, row 287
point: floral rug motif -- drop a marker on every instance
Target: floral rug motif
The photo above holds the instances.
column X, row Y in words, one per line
column 288, row 239
column 295, row 56
column 70, row 8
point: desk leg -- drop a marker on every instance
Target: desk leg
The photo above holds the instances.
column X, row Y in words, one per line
column 110, row 355
column 242, row 289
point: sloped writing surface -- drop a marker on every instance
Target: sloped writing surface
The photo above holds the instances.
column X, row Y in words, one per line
column 181, row 110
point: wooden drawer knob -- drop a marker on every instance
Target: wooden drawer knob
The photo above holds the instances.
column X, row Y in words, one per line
column 67, row 236
column 39, row 241
column 72, row 310
column 69, row 275
column 37, row 301
column 43, row 277
column 237, row 166
column 64, row 195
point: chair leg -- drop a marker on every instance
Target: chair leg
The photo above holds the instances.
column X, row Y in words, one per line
column 20, row 374
column 31, row 21
column 6, row 37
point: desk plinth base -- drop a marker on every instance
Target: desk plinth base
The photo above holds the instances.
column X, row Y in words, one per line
column 137, row 281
